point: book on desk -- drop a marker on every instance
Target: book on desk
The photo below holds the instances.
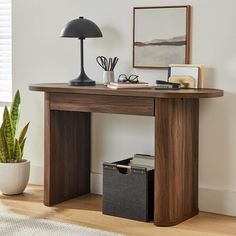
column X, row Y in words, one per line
column 127, row 85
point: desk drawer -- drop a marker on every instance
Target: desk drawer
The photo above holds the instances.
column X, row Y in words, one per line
column 102, row 103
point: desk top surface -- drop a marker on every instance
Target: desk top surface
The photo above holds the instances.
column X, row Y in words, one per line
column 150, row 92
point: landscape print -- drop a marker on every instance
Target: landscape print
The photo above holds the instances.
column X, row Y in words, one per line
column 160, row 36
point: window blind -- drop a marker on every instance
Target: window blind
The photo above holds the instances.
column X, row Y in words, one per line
column 5, row 52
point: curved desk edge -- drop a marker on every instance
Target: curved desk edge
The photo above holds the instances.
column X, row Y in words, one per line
column 103, row 90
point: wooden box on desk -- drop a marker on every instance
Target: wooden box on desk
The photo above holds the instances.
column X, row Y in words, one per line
column 128, row 193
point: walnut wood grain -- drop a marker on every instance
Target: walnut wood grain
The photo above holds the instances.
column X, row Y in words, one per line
column 67, row 154
column 176, row 175
column 47, row 150
column 102, row 103
column 103, row 90
column 67, row 142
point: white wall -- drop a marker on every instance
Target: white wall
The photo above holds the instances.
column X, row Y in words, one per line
column 1, row 112
column 40, row 55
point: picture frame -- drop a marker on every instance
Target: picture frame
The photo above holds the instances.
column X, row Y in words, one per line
column 161, row 36
column 188, row 75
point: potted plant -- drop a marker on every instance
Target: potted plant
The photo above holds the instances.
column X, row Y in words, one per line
column 14, row 170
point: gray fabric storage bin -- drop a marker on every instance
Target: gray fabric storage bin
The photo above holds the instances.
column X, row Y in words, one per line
column 128, row 193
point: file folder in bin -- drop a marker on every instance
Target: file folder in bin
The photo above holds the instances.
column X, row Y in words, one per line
column 128, row 192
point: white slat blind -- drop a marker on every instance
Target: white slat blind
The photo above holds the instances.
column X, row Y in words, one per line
column 5, row 51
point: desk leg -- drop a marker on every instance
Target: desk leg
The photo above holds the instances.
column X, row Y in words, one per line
column 67, row 154
column 176, row 175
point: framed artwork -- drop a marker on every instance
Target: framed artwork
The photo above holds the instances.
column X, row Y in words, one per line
column 161, row 36
column 188, row 75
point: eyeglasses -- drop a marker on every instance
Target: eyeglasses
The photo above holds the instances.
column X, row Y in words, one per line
column 131, row 79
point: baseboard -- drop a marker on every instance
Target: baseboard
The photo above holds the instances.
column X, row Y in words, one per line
column 220, row 201
column 96, row 183
column 36, row 175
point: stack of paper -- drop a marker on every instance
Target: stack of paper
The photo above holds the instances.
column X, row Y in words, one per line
column 142, row 160
column 127, row 85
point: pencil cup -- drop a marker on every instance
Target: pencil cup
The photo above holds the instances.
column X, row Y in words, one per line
column 108, row 76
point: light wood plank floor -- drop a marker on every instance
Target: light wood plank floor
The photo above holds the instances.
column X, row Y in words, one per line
column 86, row 211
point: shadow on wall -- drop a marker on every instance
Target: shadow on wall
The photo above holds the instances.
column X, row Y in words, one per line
column 209, row 77
column 217, row 154
column 116, row 137
column 217, row 130
column 1, row 113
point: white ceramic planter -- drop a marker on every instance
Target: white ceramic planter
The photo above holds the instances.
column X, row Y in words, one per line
column 14, row 177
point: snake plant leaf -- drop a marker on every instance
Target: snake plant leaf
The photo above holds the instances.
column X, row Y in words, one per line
column 1, row 158
column 3, row 147
column 15, row 112
column 22, row 145
column 23, row 133
column 8, row 132
column 17, row 151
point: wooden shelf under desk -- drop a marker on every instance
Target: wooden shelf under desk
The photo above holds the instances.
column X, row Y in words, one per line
column 67, row 141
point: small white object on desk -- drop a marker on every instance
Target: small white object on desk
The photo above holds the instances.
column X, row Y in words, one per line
column 196, row 71
column 108, row 77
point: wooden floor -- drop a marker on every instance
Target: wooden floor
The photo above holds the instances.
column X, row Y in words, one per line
column 86, row 211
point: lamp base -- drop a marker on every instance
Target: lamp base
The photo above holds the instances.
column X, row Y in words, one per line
column 77, row 82
column 82, row 80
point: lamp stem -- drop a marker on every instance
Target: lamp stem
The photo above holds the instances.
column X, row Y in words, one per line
column 82, row 54
column 82, row 79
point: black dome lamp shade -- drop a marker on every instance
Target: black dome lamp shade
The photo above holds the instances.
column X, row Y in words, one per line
column 81, row 28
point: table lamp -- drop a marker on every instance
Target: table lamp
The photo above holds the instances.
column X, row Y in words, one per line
column 81, row 28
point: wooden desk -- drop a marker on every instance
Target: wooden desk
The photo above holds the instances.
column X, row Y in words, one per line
column 67, row 142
